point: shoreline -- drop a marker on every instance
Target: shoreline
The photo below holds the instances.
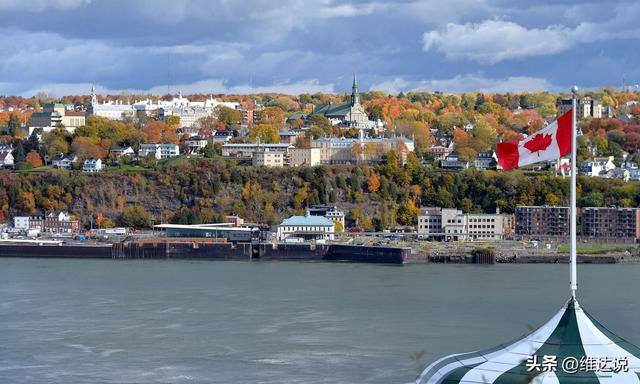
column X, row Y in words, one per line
column 294, row 252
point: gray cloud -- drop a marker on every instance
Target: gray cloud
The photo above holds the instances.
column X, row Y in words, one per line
column 257, row 44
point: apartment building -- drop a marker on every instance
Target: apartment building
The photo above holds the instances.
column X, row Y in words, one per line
column 542, row 221
column 612, row 222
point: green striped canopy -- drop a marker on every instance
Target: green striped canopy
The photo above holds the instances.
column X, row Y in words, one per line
column 572, row 333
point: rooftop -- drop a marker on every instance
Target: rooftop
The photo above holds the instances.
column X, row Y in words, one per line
column 318, row 221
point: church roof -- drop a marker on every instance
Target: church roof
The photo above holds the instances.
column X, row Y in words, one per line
column 333, row 110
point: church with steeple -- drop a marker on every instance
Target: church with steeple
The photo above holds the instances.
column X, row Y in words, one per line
column 350, row 114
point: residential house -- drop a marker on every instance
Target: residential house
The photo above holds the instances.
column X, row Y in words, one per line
column 453, row 162
column 634, row 170
column 438, row 152
column 6, row 160
column 92, row 165
column 616, row 173
column 159, row 151
column 596, row 166
column 118, row 152
column 64, row 162
column 221, row 136
column 196, row 144
column 288, row 137
column 486, row 160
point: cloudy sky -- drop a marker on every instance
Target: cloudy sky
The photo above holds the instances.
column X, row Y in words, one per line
column 296, row 46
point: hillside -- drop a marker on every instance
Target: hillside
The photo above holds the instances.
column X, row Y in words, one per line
column 203, row 190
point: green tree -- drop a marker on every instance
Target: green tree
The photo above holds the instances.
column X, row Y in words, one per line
column 136, row 216
column 228, row 115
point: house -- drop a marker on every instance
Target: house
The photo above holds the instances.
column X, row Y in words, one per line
column 64, row 162
column 486, row 160
column 60, row 222
column 222, row 136
column 6, row 160
column 453, row 162
column 92, row 165
column 439, row 152
column 159, row 151
column 118, row 152
column 634, row 170
column 288, row 137
column 306, row 227
column 597, row 165
column 616, row 173
column 196, row 143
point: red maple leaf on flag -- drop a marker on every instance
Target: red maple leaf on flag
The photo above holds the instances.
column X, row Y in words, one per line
column 539, row 142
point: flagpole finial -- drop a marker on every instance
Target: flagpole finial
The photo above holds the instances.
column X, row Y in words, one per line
column 574, row 89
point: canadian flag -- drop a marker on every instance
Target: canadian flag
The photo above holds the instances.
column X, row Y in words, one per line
column 550, row 143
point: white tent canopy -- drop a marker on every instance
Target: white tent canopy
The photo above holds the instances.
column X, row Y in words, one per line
column 572, row 333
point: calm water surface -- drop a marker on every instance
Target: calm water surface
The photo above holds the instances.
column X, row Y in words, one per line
column 105, row 321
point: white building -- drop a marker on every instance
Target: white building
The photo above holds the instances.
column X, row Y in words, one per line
column 597, row 166
column 64, row 162
column 117, row 110
column 6, row 160
column 634, row 170
column 159, row 151
column 341, row 150
column 21, row 222
column 92, row 165
column 247, row 149
column 306, row 227
column 453, row 224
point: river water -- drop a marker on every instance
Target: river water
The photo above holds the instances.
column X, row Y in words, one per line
column 107, row 321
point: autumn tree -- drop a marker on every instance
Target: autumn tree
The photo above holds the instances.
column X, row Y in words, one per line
column 273, row 116
column 34, row 159
column 265, row 133
column 373, row 184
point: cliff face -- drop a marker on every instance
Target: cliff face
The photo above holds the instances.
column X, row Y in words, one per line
column 198, row 191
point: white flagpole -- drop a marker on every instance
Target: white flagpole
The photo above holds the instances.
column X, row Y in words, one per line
column 572, row 211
